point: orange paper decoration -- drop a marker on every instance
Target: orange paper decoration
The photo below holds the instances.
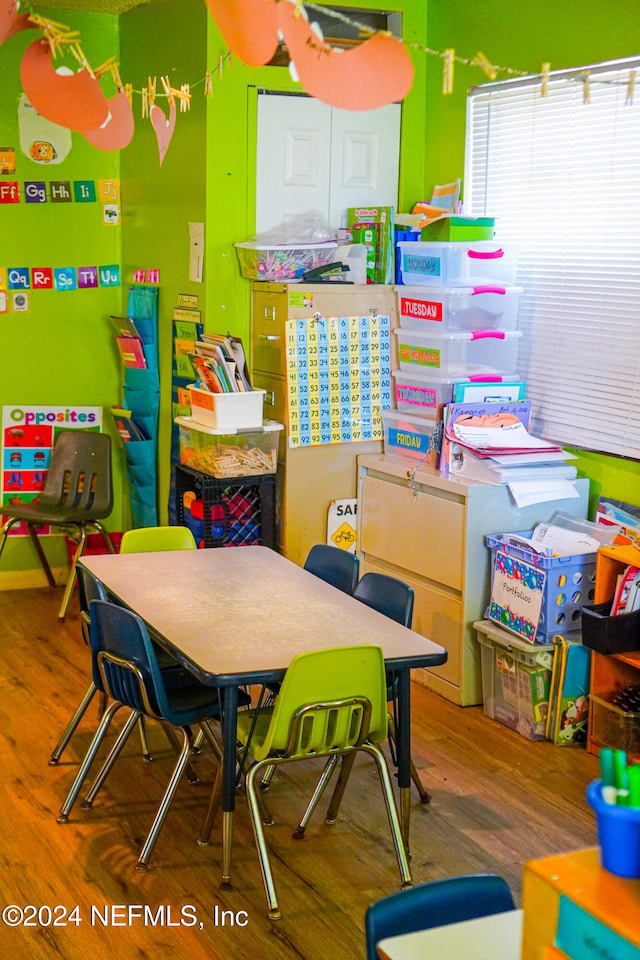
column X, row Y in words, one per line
column 164, row 128
column 377, row 72
column 74, row 101
column 249, row 28
column 11, row 21
column 117, row 132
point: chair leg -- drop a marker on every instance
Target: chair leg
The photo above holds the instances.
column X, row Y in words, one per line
column 165, row 803
column 425, row 797
column 214, row 802
column 267, row 777
column 326, row 775
column 345, row 770
column 105, row 535
column 98, row 737
column 61, row 745
column 392, row 812
column 41, row 554
column 261, row 845
column 71, row 580
column 170, row 734
column 144, row 743
column 113, row 755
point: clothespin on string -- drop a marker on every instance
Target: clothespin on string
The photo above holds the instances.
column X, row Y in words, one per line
column 586, row 92
column 447, row 73
column 630, row 85
column 208, row 85
column 151, row 91
column 481, row 61
column 546, row 67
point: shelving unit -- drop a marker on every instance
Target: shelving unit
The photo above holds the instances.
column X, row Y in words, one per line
column 608, row 725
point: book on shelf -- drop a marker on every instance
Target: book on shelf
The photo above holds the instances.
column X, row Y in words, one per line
column 125, row 326
column 230, row 352
column 131, row 351
column 626, row 598
column 207, row 373
column 127, row 427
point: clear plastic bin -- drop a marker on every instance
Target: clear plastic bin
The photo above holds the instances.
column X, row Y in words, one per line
column 407, row 436
column 515, row 680
column 610, row 725
column 441, row 264
column 487, row 307
column 231, row 453
column 460, row 354
column 420, row 394
column 287, row 262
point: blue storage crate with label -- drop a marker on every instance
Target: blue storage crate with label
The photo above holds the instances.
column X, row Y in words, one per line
column 537, row 597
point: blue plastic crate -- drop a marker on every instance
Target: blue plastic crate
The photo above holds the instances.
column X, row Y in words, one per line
column 569, row 584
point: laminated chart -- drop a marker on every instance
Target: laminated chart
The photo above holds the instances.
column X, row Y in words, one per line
column 338, row 378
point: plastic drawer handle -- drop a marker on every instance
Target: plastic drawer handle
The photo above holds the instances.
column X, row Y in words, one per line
column 481, row 378
column 488, row 255
column 477, row 290
column 486, row 334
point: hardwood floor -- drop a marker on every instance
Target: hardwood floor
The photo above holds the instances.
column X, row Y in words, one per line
column 498, row 800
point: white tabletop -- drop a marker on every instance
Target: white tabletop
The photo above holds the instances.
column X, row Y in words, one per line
column 247, row 609
column 496, row 937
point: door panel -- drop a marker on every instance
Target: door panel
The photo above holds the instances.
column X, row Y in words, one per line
column 315, row 157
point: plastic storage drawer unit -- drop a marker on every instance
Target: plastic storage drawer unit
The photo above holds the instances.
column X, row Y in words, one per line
column 420, row 394
column 438, row 264
column 515, row 680
column 459, row 354
column 407, row 436
column 488, row 307
column 614, row 726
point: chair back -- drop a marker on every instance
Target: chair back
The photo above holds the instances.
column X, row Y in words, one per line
column 388, row 595
column 88, row 589
column 156, row 539
column 79, row 475
column 125, row 660
column 336, row 566
column 434, row 904
column 330, row 700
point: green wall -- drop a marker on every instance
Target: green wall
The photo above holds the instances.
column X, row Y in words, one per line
column 158, row 39
column 569, row 33
column 61, row 351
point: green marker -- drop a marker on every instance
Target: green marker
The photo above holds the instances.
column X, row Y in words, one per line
column 621, row 777
column 633, row 773
column 607, row 776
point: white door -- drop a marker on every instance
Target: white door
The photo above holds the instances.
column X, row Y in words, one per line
column 315, row 157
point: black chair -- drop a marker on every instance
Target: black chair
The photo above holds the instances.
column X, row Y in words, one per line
column 435, row 904
column 126, row 667
column 394, row 598
column 78, row 494
column 334, row 565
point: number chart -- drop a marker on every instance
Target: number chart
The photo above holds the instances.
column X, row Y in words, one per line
column 338, row 378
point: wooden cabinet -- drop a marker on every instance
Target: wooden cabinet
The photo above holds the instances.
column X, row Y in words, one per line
column 575, row 908
column 430, row 531
column 309, row 478
column 608, row 725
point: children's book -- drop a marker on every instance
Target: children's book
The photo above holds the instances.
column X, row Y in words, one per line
column 568, row 708
column 131, row 352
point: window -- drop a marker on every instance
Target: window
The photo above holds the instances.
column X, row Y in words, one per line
column 561, row 174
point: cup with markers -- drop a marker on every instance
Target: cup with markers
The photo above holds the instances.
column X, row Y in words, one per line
column 615, row 798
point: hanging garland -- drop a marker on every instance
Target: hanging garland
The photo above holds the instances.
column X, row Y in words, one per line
column 373, row 73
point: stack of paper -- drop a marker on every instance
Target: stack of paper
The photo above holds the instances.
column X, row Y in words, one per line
column 496, row 447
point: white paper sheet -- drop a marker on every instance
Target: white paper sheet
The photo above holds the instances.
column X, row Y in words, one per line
column 526, row 492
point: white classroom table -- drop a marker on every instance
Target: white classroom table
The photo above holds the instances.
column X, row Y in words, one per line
column 496, row 937
column 237, row 616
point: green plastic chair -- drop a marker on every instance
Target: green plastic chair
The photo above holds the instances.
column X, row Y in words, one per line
column 157, row 539
column 332, row 702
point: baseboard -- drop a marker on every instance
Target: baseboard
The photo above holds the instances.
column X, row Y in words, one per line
column 28, row 579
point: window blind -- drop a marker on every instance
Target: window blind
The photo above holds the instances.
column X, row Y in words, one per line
column 561, row 174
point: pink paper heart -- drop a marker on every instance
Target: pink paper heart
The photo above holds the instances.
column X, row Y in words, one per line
column 163, row 128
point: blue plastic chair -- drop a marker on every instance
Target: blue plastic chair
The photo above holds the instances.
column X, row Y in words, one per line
column 125, row 664
column 88, row 589
column 334, row 565
column 435, row 904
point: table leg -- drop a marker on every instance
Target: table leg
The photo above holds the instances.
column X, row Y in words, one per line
column 403, row 749
column 229, row 741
